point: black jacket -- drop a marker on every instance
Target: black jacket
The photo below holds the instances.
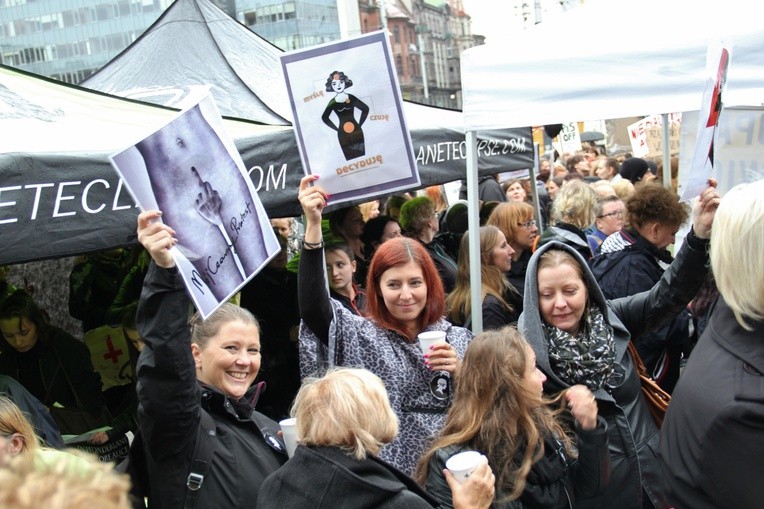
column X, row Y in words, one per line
column 443, row 262
column 632, row 267
column 57, row 369
column 567, row 234
column 489, row 189
column 496, row 316
column 633, row 435
column 170, row 405
column 554, row 481
column 357, row 305
column 326, row 477
column 712, row 441
column 272, row 297
column 517, row 271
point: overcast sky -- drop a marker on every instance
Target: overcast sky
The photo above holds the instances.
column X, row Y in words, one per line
column 491, row 19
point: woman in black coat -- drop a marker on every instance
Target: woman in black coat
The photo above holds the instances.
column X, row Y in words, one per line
column 51, row 364
column 712, row 441
column 498, row 410
column 500, row 300
column 579, row 337
column 196, row 377
column 343, row 419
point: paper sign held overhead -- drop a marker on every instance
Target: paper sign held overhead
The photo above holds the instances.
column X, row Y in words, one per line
column 348, row 117
column 190, row 170
column 717, row 64
column 569, row 139
column 644, row 139
column 655, row 141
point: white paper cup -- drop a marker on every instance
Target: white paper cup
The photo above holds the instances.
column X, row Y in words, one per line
column 429, row 338
column 289, row 430
column 463, row 464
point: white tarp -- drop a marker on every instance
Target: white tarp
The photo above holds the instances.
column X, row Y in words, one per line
column 612, row 59
column 606, row 59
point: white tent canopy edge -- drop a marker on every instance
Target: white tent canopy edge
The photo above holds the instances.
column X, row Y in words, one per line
column 612, row 59
column 606, row 59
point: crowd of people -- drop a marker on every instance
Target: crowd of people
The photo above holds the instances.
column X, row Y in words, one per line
column 331, row 333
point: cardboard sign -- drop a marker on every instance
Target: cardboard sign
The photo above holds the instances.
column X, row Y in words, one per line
column 110, row 355
column 642, row 138
column 569, row 139
column 654, row 137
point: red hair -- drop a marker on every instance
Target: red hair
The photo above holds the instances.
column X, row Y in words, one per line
column 393, row 253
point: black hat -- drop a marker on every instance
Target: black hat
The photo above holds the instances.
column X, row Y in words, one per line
column 633, row 169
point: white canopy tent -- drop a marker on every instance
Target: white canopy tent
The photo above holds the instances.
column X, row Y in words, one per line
column 612, row 59
column 606, row 59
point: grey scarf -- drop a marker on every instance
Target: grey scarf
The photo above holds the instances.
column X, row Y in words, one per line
column 587, row 358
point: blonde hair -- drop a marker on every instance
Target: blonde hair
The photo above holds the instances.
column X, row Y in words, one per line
column 623, row 189
column 346, row 408
column 367, row 207
column 737, row 244
column 203, row 330
column 26, row 484
column 602, row 188
column 575, row 203
column 13, row 420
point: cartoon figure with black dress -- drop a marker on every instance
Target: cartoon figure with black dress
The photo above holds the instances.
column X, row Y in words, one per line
column 349, row 132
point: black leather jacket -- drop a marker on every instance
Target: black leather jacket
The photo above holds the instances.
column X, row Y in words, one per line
column 171, row 402
column 712, row 442
column 554, row 482
column 633, row 435
column 633, row 269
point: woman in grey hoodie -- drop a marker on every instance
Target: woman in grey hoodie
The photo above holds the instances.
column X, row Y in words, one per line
column 579, row 337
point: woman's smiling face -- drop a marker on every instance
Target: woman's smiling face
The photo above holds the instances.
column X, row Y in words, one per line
column 230, row 360
column 404, row 292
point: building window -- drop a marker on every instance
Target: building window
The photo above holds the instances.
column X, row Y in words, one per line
column 124, row 8
column 103, row 12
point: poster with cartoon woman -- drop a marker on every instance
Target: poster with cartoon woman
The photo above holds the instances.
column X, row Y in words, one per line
column 348, row 117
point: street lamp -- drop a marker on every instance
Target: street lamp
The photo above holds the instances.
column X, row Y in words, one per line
column 421, row 29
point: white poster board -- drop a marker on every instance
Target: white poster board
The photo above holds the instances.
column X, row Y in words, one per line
column 191, row 171
column 738, row 153
column 710, row 109
column 348, row 117
column 640, row 133
column 569, row 139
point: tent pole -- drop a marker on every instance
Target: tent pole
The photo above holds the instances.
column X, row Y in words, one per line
column 534, row 170
column 473, row 219
column 666, row 152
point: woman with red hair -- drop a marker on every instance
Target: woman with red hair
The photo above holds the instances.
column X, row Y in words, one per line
column 404, row 298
